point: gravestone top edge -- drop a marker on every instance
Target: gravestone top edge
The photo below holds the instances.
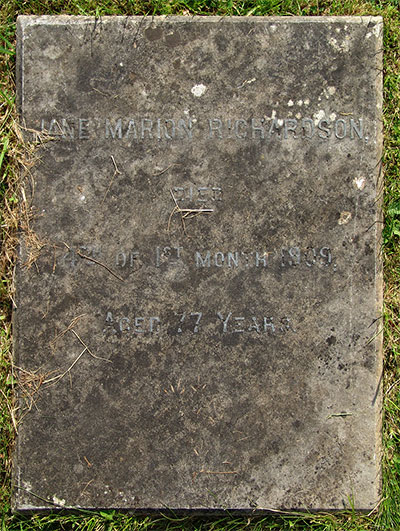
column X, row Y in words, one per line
column 32, row 20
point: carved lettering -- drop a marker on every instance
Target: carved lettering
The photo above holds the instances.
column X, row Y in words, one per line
column 255, row 129
column 199, row 194
column 225, row 323
column 136, row 325
column 289, row 125
column 114, row 132
column 203, row 262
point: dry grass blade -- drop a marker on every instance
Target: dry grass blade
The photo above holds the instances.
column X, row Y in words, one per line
column 55, row 379
column 96, row 262
column 88, row 349
column 185, row 213
column 69, row 327
column 116, row 172
column 29, row 383
column 100, row 264
column 165, row 170
column 218, row 472
column 11, row 410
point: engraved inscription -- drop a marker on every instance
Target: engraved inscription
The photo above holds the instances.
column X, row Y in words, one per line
column 200, row 194
column 131, row 259
column 239, row 324
column 142, row 129
column 126, row 258
column 291, row 256
column 163, row 254
column 135, row 325
column 72, row 257
column 160, row 128
column 263, row 128
column 194, row 317
column 190, row 322
column 231, row 259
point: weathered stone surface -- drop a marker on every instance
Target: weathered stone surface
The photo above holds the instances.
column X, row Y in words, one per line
column 223, row 355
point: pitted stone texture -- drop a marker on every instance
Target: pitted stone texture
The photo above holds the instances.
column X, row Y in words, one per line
column 210, row 283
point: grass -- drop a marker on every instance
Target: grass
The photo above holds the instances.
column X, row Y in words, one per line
column 387, row 515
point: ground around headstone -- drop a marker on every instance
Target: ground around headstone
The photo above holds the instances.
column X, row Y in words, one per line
column 200, row 327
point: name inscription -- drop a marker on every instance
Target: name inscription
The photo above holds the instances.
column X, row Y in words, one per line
column 140, row 129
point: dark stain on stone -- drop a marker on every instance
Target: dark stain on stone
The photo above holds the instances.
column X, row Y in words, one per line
column 153, row 34
column 172, row 39
column 221, row 42
column 297, row 424
column 331, row 340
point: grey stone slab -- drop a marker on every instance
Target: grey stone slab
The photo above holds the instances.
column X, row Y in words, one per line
column 204, row 311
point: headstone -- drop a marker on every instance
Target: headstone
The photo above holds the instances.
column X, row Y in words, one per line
column 199, row 289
